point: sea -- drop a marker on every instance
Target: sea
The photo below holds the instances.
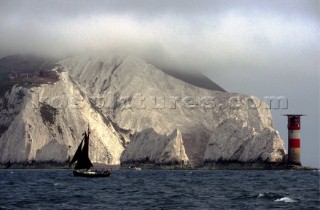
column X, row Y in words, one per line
column 160, row 189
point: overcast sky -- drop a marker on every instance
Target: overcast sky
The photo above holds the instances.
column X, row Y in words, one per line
column 263, row 48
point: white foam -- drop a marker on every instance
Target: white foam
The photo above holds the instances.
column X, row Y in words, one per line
column 261, row 195
column 286, row 200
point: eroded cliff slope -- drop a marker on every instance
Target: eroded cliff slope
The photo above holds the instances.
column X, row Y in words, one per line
column 137, row 113
column 138, row 96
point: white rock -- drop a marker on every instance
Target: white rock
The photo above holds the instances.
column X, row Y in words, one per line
column 232, row 140
column 148, row 146
column 171, row 120
column 50, row 124
column 145, row 97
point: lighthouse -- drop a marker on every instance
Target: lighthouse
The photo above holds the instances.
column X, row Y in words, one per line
column 294, row 139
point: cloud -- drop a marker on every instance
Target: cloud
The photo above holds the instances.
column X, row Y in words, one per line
column 175, row 31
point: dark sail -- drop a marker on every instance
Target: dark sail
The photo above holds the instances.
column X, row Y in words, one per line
column 77, row 154
column 82, row 154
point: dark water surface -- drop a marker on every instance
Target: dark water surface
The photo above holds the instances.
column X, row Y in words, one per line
column 59, row 189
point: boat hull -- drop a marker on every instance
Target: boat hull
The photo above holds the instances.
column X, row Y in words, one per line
column 88, row 173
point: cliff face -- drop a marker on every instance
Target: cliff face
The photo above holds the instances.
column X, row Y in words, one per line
column 149, row 146
column 138, row 96
column 50, row 123
column 234, row 141
column 137, row 113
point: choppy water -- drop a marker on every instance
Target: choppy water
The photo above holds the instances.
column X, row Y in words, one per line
column 59, row 189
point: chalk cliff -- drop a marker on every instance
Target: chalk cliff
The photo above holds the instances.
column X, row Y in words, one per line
column 137, row 113
column 149, row 146
column 48, row 122
column 234, row 141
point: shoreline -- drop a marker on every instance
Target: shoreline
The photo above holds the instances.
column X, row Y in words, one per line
column 150, row 166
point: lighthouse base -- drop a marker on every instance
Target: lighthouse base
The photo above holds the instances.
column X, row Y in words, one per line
column 292, row 163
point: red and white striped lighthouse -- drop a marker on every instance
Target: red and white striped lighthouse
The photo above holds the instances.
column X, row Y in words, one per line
column 294, row 139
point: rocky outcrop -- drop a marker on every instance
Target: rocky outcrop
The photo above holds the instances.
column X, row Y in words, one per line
column 148, row 146
column 234, row 141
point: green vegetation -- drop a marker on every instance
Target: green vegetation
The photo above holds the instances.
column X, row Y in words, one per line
column 3, row 129
column 5, row 83
column 48, row 113
column 26, row 71
column 153, row 166
column 60, row 130
column 32, row 164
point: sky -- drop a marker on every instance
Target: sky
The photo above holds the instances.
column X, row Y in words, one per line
column 263, row 48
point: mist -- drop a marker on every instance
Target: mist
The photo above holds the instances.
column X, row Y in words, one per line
column 263, row 48
column 193, row 35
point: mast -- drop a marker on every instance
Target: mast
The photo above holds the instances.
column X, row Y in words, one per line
column 181, row 161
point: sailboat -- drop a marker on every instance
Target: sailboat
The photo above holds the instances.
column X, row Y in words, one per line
column 84, row 165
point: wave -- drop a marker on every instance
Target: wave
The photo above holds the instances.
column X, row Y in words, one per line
column 286, row 200
column 276, row 197
column 269, row 195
